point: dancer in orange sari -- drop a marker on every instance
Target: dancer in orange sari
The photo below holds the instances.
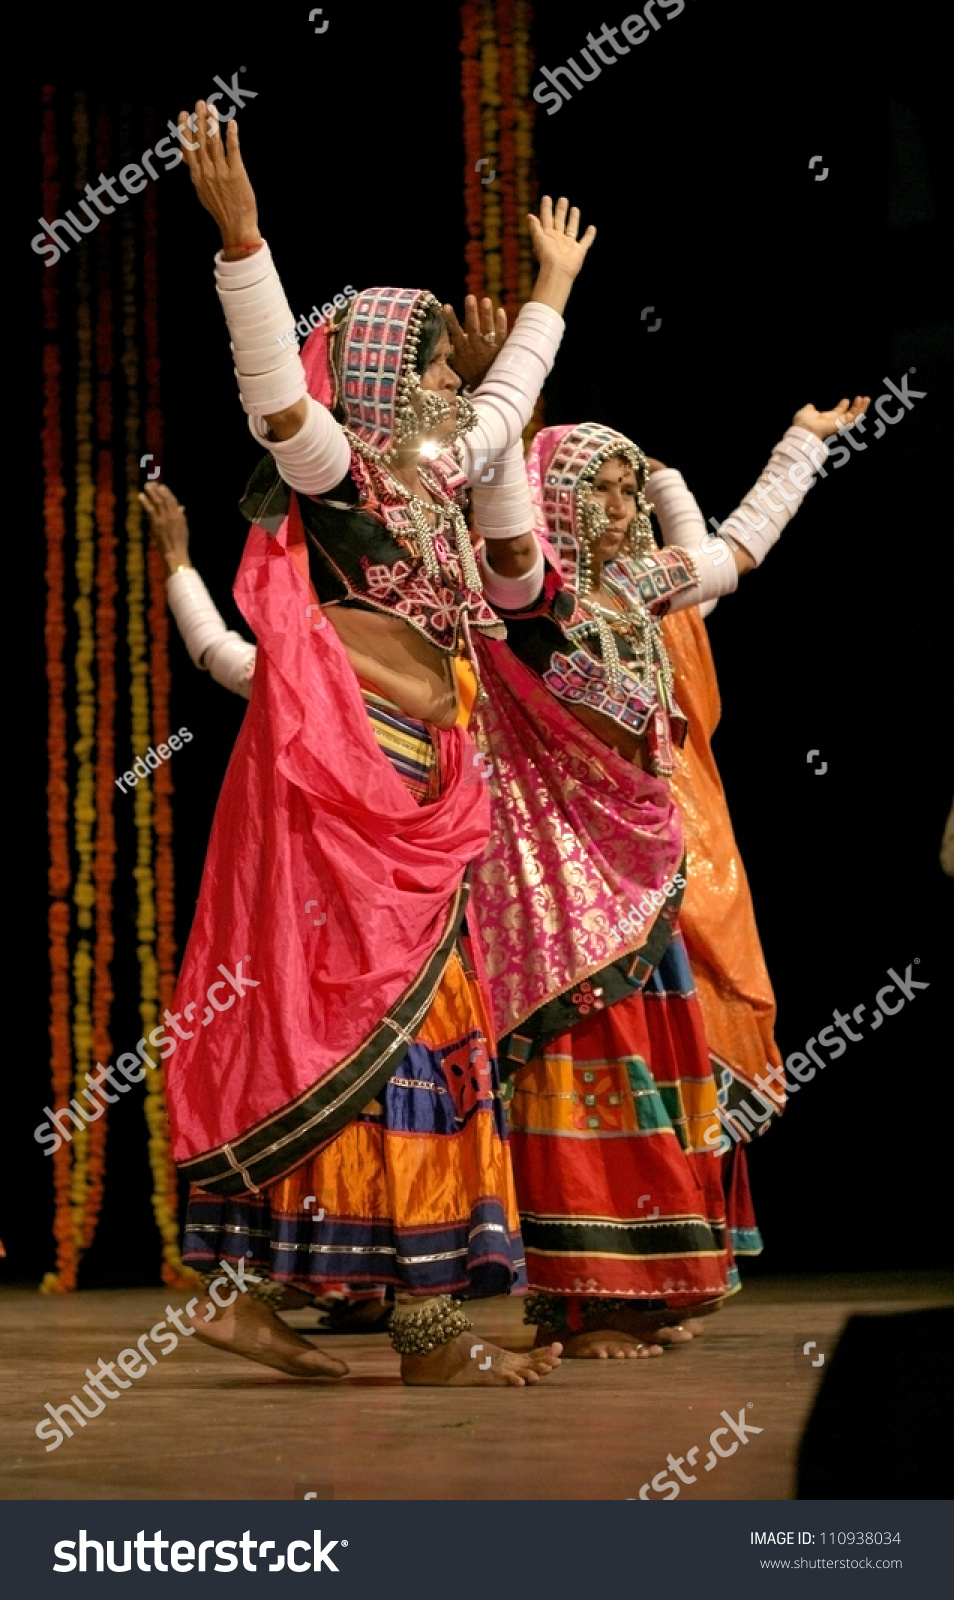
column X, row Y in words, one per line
column 615, row 1110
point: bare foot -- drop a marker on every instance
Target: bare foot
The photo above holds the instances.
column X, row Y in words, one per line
column 608, row 1345
column 250, row 1328
column 451, row 1365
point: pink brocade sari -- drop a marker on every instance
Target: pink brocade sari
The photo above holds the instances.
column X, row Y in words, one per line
column 578, row 835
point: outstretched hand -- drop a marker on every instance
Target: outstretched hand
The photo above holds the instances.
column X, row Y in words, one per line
column 824, row 423
column 218, row 174
column 478, row 342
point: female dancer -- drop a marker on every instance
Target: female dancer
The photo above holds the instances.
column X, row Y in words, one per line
column 614, row 1105
column 339, row 1118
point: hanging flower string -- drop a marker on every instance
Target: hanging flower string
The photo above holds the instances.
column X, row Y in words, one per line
column 165, row 1187
column 489, row 127
column 84, row 792
column 104, row 864
column 63, row 1278
column 473, row 188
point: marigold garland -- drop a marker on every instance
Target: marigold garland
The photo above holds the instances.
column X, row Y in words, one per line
column 104, row 865
column 84, row 790
column 63, row 1278
column 165, row 1186
column 81, row 885
column 496, row 65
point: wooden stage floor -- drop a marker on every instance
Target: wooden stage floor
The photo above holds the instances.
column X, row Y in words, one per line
column 204, row 1426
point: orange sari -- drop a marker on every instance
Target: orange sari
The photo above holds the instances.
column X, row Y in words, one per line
column 717, row 918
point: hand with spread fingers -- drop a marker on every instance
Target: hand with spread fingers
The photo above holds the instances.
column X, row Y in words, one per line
column 219, row 177
column 479, row 341
column 554, row 235
column 824, row 423
column 167, row 524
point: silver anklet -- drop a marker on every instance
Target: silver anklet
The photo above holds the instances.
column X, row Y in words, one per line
column 418, row 1332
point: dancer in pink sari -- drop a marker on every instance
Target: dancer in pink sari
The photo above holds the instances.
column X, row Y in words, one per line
column 334, row 1104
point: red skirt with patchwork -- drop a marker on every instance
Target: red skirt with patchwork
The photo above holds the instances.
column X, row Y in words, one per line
column 613, row 1137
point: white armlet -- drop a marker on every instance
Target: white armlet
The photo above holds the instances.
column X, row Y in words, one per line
column 316, row 458
column 505, row 399
column 500, row 497
column 231, row 662
column 772, row 502
column 682, row 525
column 512, row 594
column 270, row 374
column 212, row 646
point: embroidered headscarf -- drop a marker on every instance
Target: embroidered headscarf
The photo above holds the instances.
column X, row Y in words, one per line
column 561, row 467
column 367, row 363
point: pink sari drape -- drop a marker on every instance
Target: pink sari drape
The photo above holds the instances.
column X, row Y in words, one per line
column 324, row 883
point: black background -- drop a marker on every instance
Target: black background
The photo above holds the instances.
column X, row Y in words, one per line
column 692, row 157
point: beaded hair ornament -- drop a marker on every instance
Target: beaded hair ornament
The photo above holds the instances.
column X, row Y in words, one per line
column 375, row 346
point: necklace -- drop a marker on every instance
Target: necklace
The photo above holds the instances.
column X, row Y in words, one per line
column 636, row 624
column 435, row 549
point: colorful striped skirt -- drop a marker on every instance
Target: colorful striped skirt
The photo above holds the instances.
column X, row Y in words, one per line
column 418, row 1190
column 620, row 1193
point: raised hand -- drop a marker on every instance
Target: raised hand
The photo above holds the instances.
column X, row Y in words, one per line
column 824, row 423
column 554, row 237
column 478, row 342
column 219, row 176
column 167, row 524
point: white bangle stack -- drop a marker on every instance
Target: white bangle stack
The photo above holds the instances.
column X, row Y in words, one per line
column 270, row 377
column 505, row 399
column 757, row 523
column 213, row 647
column 500, row 496
column 512, row 594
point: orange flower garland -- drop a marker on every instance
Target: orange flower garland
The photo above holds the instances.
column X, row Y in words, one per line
column 498, row 132
column 63, row 1278
column 84, row 812
column 104, row 865
column 82, row 984
column 165, row 1192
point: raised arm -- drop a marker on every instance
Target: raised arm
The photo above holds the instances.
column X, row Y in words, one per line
column 309, row 447
column 213, row 647
column 507, row 394
column 745, row 538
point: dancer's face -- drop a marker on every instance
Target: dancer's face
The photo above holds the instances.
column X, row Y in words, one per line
column 440, row 378
column 615, row 489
